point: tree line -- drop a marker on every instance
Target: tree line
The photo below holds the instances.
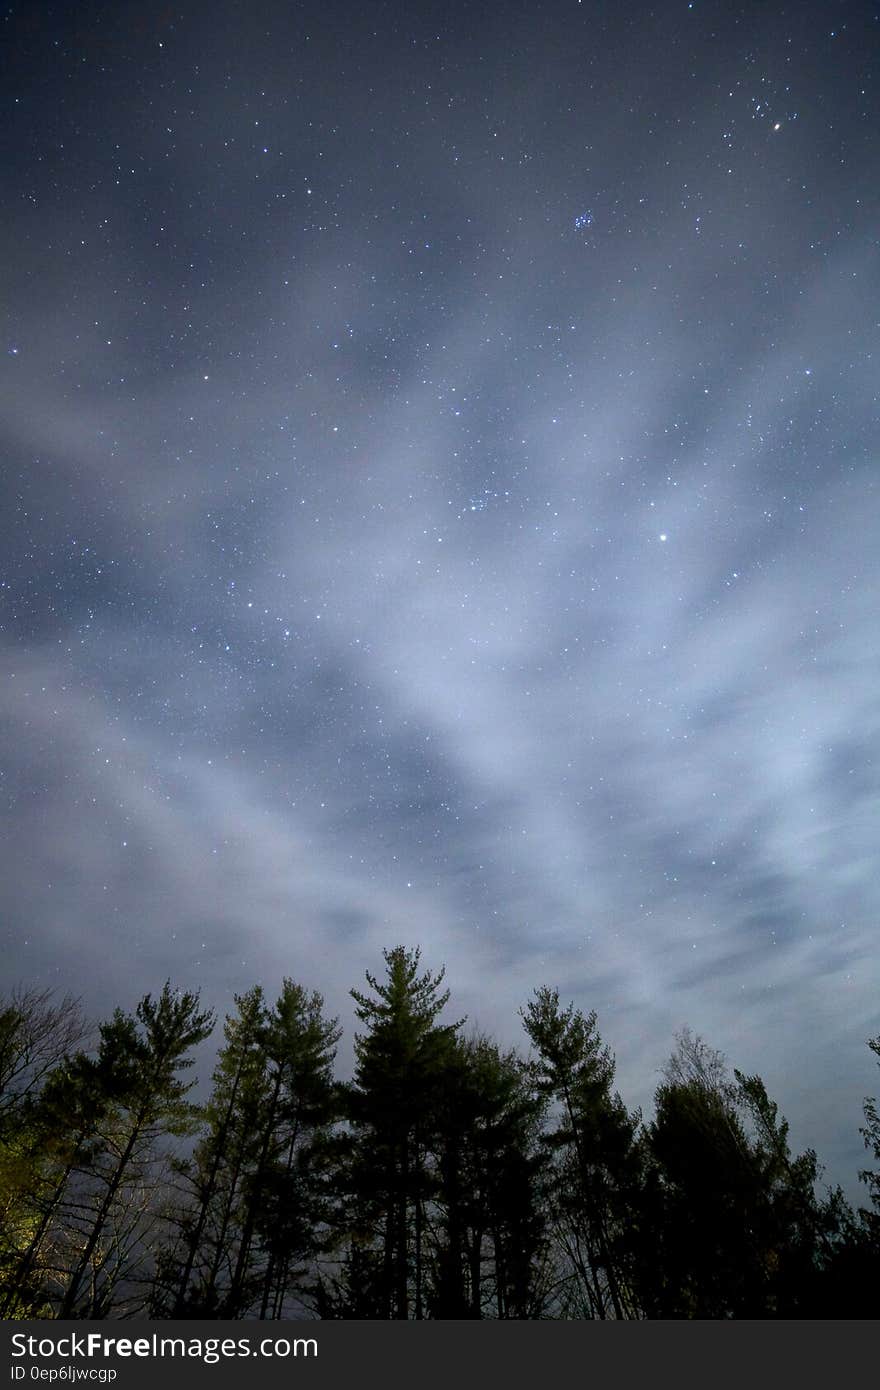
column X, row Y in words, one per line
column 449, row 1178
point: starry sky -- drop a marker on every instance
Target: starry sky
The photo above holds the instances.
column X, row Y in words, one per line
column 440, row 505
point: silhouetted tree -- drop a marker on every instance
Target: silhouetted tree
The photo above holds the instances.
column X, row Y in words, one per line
column 487, row 1226
column 287, row 1207
column 698, row 1257
column 738, row 1228
column 256, row 1208
column 596, row 1161
column 392, row 1103
column 136, row 1073
column 37, row 1033
column 194, row 1273
column 448, row 1179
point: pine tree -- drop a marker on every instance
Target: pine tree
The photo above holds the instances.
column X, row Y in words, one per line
column 286, row 1209
column 488, row 1228
column 255, row 1210
column 596, row 1160
column 400, row 1059
column 194, row 1274
column 144, row 1102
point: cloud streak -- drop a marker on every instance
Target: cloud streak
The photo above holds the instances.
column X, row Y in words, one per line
column 417, row 558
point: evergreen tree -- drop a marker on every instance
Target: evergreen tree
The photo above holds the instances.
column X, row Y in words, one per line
column 466, row 1182
column 286, row 1207
column 392, row 1104
column 57, row 1131
column 255, row 1209
column 488, row 1234
column 194, row 1274
column 736, row 1226
column 136, row 1077
column 596, row 1162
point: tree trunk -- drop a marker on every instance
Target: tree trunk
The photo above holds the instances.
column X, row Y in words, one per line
column 66, row 1310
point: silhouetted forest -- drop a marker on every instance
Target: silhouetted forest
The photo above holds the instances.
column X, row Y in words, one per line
column 450, row 1178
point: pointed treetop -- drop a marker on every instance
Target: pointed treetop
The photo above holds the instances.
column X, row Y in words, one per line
column 405, row 999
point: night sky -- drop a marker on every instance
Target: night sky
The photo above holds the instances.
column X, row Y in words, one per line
column 440, row 505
